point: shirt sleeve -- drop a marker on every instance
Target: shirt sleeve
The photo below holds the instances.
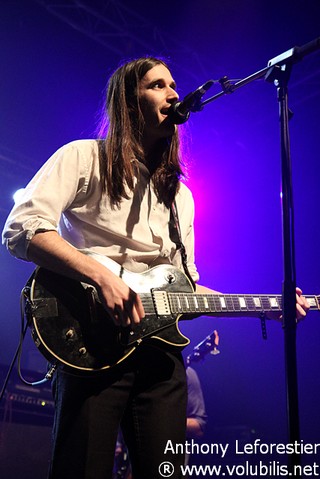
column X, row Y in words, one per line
column 196, row 406
column 48, row 194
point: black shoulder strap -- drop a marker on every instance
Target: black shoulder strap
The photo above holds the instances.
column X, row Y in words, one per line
column 175, row 235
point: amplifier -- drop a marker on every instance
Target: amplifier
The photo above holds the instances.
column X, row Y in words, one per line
column 26, row 417
column 26, row 404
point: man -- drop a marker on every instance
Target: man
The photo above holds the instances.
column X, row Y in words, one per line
column 113, row 197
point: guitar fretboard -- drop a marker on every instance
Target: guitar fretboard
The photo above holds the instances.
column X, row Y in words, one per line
column 184, row 303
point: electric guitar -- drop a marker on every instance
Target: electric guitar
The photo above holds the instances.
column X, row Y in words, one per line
column 70, row 326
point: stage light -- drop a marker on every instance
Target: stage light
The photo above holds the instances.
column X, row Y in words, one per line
column 18, row 194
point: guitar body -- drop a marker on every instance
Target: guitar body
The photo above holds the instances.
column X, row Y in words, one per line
column 70, row 326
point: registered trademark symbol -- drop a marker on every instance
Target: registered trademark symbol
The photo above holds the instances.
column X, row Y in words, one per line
column 166, row 469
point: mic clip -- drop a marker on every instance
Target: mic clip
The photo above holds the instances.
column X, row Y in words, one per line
column 226, row 86
column 196, row 96
column 180, row 110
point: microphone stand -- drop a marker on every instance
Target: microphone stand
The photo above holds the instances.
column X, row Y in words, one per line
column 278, row 71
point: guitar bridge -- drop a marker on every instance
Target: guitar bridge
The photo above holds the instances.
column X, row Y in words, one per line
column 161, row 303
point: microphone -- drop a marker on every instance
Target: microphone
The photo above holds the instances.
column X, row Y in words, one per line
column 179, row 111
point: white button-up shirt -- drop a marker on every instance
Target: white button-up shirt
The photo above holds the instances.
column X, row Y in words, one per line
column 66, row 195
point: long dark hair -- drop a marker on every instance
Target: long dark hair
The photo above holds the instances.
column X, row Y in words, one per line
column 120, row 138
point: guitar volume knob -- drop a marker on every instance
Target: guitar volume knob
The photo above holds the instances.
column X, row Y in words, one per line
column 170, row 278
column 70, row 334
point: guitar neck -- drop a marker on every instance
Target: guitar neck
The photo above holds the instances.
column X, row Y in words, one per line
column 184, row 303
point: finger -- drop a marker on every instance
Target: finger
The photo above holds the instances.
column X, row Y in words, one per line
column 125, row 318
column 135, row 308
column 117, row 318
column 120, row 316
column 301, row 313
column 131, row 313
column 114, row 311
column 302, row 301
column 139, row 307
column 299, row 301
column 135, row 317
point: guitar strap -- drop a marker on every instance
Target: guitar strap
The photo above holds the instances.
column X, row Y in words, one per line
column 175, row 235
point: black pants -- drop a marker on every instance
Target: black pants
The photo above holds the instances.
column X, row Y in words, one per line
column 146, row 394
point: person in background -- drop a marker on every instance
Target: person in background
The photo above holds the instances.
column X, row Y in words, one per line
column 196, row 411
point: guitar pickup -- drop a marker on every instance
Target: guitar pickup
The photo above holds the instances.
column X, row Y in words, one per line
column 161, row 302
